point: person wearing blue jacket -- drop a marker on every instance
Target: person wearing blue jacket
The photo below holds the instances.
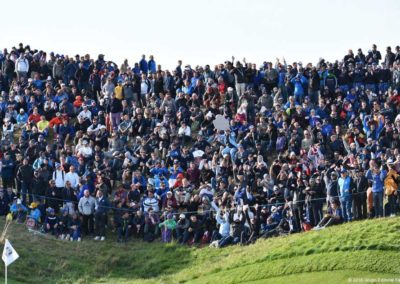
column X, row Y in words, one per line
column 70, row 70
column 35, row 212
column 51, row 222
column 22, row 117
column 346, row 186
column 18, row 210
column 222, row 218
column 370, row 129
column 159, row 170
column 139, row 180
column 152, row 64
column 327, row 128
column 377, row 177
column 299, row 82
column 162, row 189
column 143, row 65
column 175, row 169
column 100, row 215
column 136, row 69
column 229, row 141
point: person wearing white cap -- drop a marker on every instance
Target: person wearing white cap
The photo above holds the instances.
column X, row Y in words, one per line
column 22, row 118
column 181, row 226
column 18, row 210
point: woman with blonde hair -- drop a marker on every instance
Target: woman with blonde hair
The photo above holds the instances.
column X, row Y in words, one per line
column 391, row 186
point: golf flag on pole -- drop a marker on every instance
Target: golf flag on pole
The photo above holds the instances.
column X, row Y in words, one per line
column 9, row 253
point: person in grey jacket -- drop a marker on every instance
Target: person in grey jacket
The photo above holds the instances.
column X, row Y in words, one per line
column 86, row 207
column 58, row 70
column 21, row 66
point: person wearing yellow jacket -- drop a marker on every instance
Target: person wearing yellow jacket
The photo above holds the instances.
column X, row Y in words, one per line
column 118, row 90
column 391, row 186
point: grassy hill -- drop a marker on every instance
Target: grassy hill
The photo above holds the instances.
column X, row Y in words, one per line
column 366, row 249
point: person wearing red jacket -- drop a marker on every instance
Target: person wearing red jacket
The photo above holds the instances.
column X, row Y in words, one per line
column 34, row 117
column 56, row 122
column 78, row 102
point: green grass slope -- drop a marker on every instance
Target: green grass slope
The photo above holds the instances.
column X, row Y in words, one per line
column 367, row 249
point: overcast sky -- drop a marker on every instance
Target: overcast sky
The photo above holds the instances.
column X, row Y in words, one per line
column 200, row 32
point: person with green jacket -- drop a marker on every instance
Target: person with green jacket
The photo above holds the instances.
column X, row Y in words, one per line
column 166, row 228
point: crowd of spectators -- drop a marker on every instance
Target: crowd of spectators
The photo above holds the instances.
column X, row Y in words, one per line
column 89, row 148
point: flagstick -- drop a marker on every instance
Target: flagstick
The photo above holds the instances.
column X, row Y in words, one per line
column 6, row 274
column 3, row 234
column 4, row 231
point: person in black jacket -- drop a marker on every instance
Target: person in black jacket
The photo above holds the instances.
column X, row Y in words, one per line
column 124, row 226
column 331, row 184
column 69, row 198
column 360, row 57
column 349, row 58
column 25, row 176
column 240, row 78
column 314, row 202
column 100, row 215
column 7, row 171
column 374, row 55
column 82, row 77
column 138, row 220
column 195, row 230
column 115, row 108
column 4, row 208
column 74, row 227
column 314, row 86
column 53, row 196
column 360, row 195
column 254, row 224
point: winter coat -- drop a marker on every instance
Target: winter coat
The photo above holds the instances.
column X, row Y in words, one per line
column 391, row 182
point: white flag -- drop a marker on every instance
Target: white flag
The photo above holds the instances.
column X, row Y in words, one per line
column 9, row 254
column 221, row 123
